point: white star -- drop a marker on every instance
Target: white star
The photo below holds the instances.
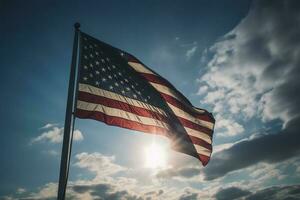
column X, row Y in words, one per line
column 97, row 63
column 136, row 84
column 85, row 67
column 123, row 92
column 139, row 92
column 102, row 60
column 85, row 78
column 128, row 89
column 91, row 65
column 97, row 72
column 126, row 80
column 103, row 69
column 110, row 77
column 122, row 54
column 85, row 57
column 107, row 59
column 91, row 55
column 97, row 83
column 122, row 82
column 120, row 73
column 132, row 86
column 115, row 75
column 111, row 87
column 148, row 97
column 113, row 66
column 91, row 75
column 97, row 53
column 134, row 96
column 116, row 84
column 108, row 68
column 103, row 79
column 145, row 100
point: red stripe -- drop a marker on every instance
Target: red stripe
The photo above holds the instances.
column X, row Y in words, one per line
column 204, row 159
column 155, row 79
column 194, row 126
column 121, row 122
column 200, row 142
column 87, row 97
column 205, row 116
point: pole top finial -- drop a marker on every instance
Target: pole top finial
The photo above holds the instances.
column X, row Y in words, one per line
column 77, row 26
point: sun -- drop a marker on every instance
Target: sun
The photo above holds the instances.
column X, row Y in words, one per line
column 155, row 156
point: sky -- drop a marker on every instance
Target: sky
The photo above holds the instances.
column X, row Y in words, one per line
column 238, row 59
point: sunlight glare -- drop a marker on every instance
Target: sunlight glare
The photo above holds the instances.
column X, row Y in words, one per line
column 155, row 156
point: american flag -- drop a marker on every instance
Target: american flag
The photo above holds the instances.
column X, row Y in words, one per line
column 116, row 88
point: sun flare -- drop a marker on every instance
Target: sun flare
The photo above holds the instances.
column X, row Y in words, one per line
column 155, row 156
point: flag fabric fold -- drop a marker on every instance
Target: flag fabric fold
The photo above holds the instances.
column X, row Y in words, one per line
column 116, row 88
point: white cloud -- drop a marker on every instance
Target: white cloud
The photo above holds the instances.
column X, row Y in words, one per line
column 190, row 52
column 21, row 190
column 254, row 69
column 49, row 125
column 55, row 135
column 228, row 127
column 99, row 164
column 202, row 90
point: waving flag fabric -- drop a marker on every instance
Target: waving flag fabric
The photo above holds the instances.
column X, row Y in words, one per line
column 116, row 88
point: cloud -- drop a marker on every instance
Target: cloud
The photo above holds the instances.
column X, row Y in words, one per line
column 49, row 125
column 55, row 135
column 105, row 191
column 255, row 67
column 190, row 52
column 100, row 164
column 270, row 148
column 276, row 192
column 231, row 193
column 180, row 173
column 228, row 127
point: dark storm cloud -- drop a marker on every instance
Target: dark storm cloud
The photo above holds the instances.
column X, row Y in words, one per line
column 291, row 192
column 269, row 148
column 287, row 192
column 105, row 191
column 231, row 193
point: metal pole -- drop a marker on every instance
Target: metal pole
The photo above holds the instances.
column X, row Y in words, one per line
column 68, row 129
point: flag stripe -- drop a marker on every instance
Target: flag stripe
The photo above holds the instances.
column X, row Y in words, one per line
column 82, row 105
column 198, row 134
column 181, row 113
column 196, row 140
column 140, row 68
column 111, row 95
column 178, row 104
column 204, row 159
column 121, row 122
column 87, row 97
column 133, row 125
column 97, row 91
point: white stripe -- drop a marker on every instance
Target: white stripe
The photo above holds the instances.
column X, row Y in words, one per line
column 202, row 150
column 140, row 68
column 120, row 113
column 198, row 134
column 199, row 110
column 111, row 95
column 180, row 113
column 166, row 90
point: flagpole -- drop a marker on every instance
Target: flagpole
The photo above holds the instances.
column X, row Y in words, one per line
column 69, row 122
